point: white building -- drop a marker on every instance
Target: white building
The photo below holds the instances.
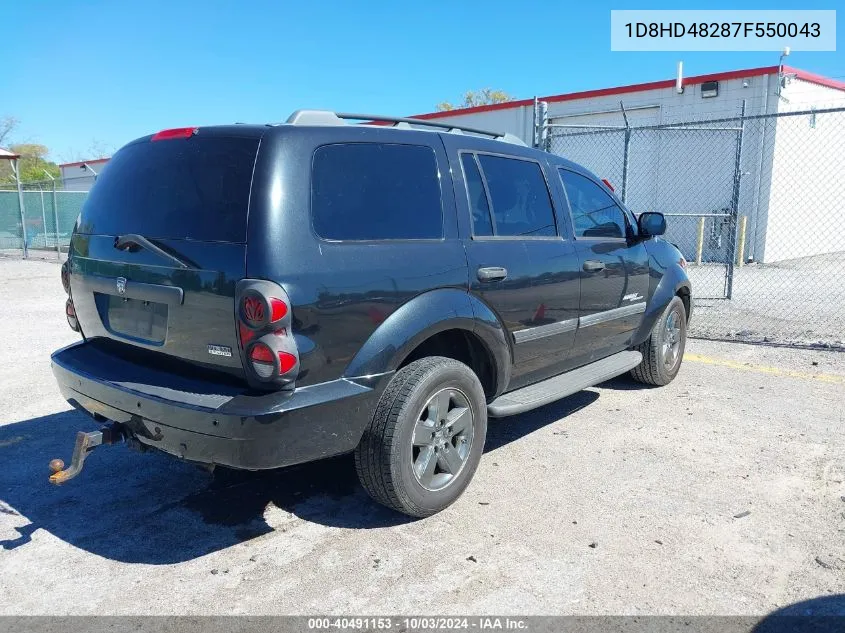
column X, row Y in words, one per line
column 79, row 176
column 791, row 168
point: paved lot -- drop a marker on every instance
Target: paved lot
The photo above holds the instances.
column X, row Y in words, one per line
column 722, row 493
column 801, row 301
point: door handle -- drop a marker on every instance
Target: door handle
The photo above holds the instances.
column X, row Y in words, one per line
column 492, row 273
column 593, row 266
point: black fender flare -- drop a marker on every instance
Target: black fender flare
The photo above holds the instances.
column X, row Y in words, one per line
column 421, row 318
column 673, row 281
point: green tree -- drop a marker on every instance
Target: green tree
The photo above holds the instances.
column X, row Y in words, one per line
column 33, row 160
column 32, row 164
column 472, row 98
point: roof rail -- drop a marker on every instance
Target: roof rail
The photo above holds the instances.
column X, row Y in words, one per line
column 327, row 117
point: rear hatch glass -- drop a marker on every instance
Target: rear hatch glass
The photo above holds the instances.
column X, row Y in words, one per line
column 195, row 188
column 160, row 246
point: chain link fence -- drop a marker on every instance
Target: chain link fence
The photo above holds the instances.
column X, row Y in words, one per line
column 38, row 221
column 755, row 203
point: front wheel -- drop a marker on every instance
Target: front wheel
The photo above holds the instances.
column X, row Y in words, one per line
column 426, row 437
column 663, row 350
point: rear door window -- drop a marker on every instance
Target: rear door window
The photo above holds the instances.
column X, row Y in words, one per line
column 195, row 188
column 376, row 191
column 482, row 225
column 519, row 196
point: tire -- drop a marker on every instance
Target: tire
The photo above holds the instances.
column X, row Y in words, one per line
column 669, row 334
column 394, row 457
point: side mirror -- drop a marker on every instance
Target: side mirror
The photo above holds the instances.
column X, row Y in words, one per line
column 651, row 224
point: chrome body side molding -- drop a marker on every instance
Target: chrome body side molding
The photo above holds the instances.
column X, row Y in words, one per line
column 560, row 327
column 542, row 331
column 610, row 315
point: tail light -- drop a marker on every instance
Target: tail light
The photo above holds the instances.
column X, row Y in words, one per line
column 70, row 313
column 263, row 360
column 179, row 132
column 258, row 311
column 267, row 343
column 70, row 310
column 66, row 278
column 607, row 184
column 267, row 364
column 245, row 334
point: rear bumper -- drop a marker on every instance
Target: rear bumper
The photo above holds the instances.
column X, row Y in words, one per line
column 213, row 423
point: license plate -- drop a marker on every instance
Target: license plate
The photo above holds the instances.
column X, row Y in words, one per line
column 138, row 319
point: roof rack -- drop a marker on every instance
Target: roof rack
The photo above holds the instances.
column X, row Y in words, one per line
column 327, row 117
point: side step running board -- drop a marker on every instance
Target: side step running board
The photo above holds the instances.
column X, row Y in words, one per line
column 558, row 387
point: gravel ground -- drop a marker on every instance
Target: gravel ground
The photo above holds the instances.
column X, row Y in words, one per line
column 722, row 493
column 796, row 302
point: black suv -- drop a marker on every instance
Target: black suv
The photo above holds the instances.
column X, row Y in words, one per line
column 255, row 296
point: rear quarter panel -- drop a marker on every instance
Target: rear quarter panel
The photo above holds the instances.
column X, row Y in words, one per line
column 341, row 291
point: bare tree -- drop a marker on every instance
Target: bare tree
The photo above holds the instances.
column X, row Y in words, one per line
column 7, row 126
column 96, row 149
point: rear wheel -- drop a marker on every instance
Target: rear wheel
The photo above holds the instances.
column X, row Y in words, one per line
column 426, row 437
column 663, row 350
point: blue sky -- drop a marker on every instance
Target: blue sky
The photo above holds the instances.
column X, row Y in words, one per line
column 78, row 71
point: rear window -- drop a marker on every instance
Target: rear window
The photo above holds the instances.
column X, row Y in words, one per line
column 196, row 188
column 376, row 191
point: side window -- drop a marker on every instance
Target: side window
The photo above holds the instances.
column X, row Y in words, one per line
column 594, row 212
column 520, row 198
column 482, row 225
column 373, row 191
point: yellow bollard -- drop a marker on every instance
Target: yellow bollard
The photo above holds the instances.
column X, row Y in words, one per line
column 700, row 247
column 740, row 252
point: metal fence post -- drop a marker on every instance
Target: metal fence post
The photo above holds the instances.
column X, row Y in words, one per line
column 625, row 154
column 740, row 250
column 43, row 216
column 734, row 226
column 541, row 125
column 55, row 214
column 699, row 245
column 16, row 167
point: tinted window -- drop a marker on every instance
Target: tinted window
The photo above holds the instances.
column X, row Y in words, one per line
column 371, row 191
column 594, row 213
column 195, row 188
column 521, row 203
column 480, row 209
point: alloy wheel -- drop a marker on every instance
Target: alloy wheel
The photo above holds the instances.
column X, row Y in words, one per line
column 442, row 439
column 672, row 336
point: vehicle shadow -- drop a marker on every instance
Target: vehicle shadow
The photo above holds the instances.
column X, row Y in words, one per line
column 150, row 508
column 626, row 383
column 825, row 614
column 501, row 432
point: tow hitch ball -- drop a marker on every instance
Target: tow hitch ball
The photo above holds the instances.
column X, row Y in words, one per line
column 85, row 443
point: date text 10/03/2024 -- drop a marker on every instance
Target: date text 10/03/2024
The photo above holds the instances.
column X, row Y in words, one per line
column 482, row 623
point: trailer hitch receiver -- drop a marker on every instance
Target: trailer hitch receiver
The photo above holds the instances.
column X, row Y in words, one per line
column 85, row 443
